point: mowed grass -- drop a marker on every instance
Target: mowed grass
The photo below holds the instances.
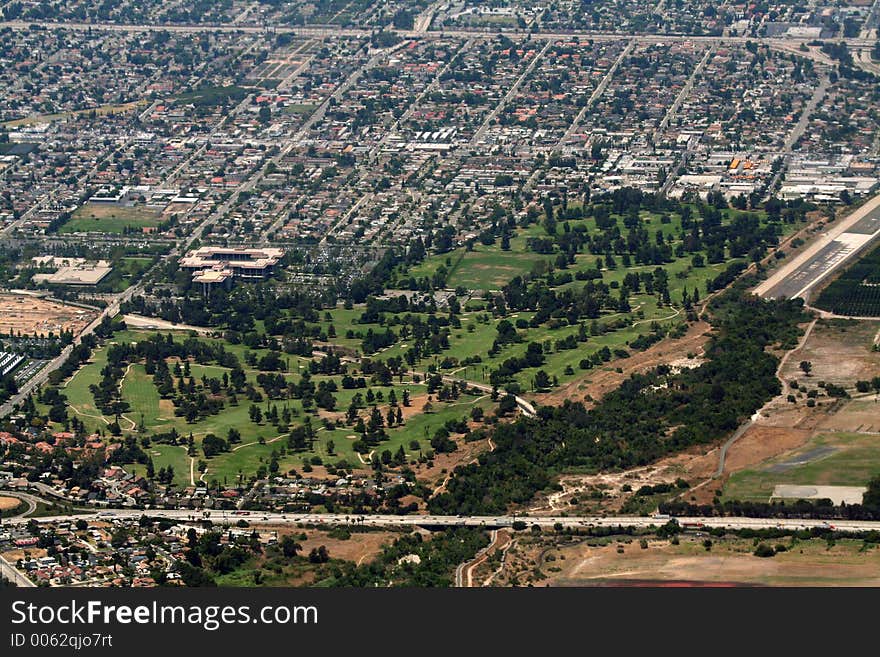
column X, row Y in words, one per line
column 855, row 461
column 259, row 441
column 490, row 268
column 484, row 268
column 110, row 218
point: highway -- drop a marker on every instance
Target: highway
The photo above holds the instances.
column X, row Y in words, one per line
column 258, row 518
column 324, row 32
column 825, row 255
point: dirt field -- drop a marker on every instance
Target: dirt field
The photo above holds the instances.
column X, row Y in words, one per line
column 840, row 352
column 730, row 562
column 7, row 503
column 27, row 315
column 859, row 415
column 360, row 548
column 20, row 553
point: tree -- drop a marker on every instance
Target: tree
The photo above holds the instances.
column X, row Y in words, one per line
column 213, row 445
column 542, row 380
column 871, row 496
column 319, row 555
column 806, row 367
column 764, row 550
column 289, row 547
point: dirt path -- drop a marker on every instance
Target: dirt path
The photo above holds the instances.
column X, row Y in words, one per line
column 465, row 570
column 782, row 361
column 96, row 417
column 504, row 550
column 138, row 321
column 722, row 454
column 464, row 575
column 256, row 442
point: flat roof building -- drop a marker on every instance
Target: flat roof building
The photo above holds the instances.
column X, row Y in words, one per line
column 213, row 265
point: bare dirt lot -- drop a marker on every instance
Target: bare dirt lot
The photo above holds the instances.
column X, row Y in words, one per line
column 730, row 561
column 859, row 415
column 840, row 353
column 360, row 548
column 21, row 553
column 30, row 315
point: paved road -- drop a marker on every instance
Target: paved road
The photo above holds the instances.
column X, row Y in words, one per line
column 219, row 212
column 490, row 119
column 30, row 500
column 797, row 132
column 464, row 570
column 13, row 575
column 825, row 255
column 684, row 93
column 110, row 311
column 489, row 522
column 323, row 32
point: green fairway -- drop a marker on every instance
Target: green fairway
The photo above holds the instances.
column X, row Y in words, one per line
column 487, row 267
column 149, row 415
column 839, row 459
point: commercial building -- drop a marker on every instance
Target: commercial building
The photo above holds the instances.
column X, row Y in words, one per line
column 212, row 265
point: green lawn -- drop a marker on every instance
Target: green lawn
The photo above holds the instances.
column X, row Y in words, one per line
column 147, row 409
column 110, row 218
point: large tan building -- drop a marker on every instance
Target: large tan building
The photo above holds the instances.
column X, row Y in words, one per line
column 214, row 265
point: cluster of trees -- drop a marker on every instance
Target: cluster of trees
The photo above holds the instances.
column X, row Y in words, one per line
column 437, row 560
column 208, row 555
column 650, row 415
column 823, row 509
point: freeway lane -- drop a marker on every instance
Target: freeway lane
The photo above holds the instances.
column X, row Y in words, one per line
column 825, row 255
column 257, row 518
column 322, row 32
